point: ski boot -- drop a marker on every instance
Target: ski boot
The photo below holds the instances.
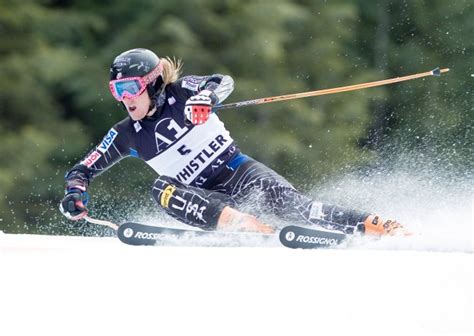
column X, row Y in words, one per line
column 375, row 226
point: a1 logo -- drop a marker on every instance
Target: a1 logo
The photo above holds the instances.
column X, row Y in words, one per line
column 167, row 131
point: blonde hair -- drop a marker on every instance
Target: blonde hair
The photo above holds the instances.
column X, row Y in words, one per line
column 171, row 69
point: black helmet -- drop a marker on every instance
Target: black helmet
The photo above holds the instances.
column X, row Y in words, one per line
column 138, row 63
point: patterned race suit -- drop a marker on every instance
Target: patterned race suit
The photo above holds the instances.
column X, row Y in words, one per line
column 200, row 168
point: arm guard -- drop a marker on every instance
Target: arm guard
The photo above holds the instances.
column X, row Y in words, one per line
column 220, row 86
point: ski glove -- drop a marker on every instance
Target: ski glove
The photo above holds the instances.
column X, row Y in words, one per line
column 73, row 205
column 199, row 107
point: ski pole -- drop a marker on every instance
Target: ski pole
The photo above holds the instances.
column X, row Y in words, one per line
column 435, row 72
column 101, row 222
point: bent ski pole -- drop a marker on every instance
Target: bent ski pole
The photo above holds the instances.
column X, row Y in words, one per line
column 101, row 222
column 435, row 72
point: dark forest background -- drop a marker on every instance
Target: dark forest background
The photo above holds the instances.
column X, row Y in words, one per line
column 55, row 104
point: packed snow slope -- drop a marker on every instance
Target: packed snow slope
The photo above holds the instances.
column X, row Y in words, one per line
column 417, row 285
column 99, row 286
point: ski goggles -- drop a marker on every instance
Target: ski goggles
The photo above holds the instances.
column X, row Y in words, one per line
column 132, row 87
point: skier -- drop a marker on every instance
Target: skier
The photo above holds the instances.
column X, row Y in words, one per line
column 204, row 179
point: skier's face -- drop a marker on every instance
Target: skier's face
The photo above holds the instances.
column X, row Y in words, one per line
column 137, row 107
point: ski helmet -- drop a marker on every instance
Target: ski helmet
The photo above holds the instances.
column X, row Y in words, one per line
column 137, row 63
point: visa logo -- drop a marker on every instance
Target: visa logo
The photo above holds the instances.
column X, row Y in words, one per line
column 107, row 141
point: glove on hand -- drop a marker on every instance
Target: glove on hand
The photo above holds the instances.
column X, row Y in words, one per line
column 199, row 107
column 73, row 205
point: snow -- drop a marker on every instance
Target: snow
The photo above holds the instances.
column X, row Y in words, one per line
column 99, row 286
column 417, row 285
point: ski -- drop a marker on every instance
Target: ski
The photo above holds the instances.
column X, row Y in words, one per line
column 309, row 238
column 291, row 236
column 141, row 234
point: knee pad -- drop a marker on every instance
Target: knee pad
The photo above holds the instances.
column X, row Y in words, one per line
column 163, row 189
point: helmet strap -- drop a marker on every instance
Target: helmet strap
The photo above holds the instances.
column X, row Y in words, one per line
column 151, row 110
column 157, row 101
column 155, row 87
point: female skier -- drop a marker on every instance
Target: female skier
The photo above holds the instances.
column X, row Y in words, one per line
column 204, row 179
